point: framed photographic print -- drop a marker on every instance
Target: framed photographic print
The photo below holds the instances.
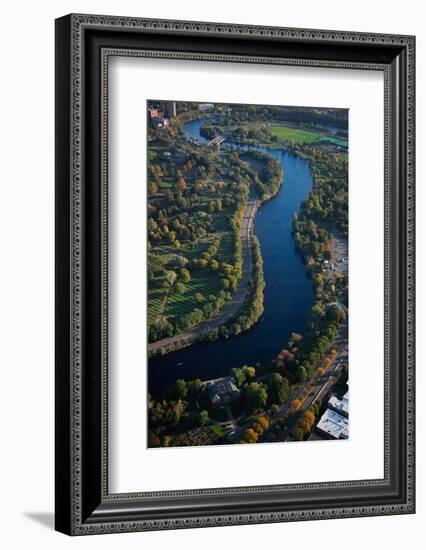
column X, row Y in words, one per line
column 234, row 274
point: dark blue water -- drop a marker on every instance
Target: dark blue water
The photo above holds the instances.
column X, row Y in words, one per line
column 289, row 292
column 192, row 129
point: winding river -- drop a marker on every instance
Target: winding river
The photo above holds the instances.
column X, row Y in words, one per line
column 289, row 293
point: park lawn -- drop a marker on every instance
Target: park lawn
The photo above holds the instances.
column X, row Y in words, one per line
column 189, row 176
column 165, row 257
column 295, row 135
column 158, row 144
column 152, row 155
column 218, row 430
column 155, row 299
column 205, row 282
column 159, row 261
column 202, row 281
column 221, row 219
column 166, row 183
column 227, row 252
column 337, row 141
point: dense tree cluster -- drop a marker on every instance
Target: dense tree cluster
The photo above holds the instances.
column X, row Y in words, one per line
column 243, row 375
column 256, row 430
column 326, row 206
column 305, row 355
column 271, row 176
column 252, row 308
column 255, row 396
column 164, row 416
column 170, row 416
column 252, row 134
column 305, row 421
column 240, row 115
column 278, row 389
column 325, row 209
column 194, row 218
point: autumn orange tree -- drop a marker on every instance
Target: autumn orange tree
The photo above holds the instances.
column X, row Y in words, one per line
column 251, row 436
column 258, row 428
column 306, row 421
column 263, row 421
column 326, row 363
column 181, row 184
column 295, row 405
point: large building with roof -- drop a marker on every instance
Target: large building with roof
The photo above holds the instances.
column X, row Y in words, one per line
column 340, row 406
column 171, row 108
column 223, row 391
column 333, row 425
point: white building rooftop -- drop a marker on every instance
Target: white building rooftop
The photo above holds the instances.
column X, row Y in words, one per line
column 334, row 425
column 205, row 106
column 340, row 405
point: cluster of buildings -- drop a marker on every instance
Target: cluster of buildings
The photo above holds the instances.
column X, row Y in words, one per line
column 204, row 107
column 222, row 391
column 159, row 118
column 334, row 423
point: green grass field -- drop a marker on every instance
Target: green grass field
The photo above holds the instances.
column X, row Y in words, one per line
column 152, row 155
column 218, row 430
column 166, row 183
column 204, row 282
column 155, row 300
column 295, row 135
column 337, row 141
column 159, row 261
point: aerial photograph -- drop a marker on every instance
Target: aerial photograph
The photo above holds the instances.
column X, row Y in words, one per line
column 248, row 273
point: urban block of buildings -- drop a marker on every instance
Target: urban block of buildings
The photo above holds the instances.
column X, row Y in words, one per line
column 203, row 107
column 334, row 423
column 340, row 406
column 160, row 118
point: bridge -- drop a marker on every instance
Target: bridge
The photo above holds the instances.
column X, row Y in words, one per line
column 218, row 140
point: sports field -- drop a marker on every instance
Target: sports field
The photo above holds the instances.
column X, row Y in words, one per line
column 335, row 141
column 295, row 135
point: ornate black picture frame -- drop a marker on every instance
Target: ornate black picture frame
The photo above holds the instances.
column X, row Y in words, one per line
column 83, row 45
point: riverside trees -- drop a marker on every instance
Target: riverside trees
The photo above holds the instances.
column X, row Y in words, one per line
column 270, row 177
column 194, row 247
